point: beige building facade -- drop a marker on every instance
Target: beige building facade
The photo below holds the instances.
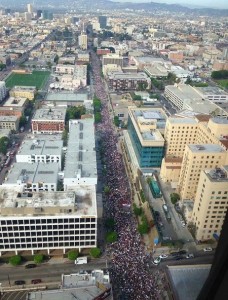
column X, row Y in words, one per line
column 23, row 92
column 211, row 202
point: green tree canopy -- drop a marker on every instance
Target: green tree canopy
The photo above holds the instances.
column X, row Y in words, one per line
column 111, row 237
column 95, row 252
column 174, row 198
column 106, row 189
column 73, row 254
column 116, row 121
column 137, row 210
column 110, row 224
column 15, row 260
column 222, row 74
column 4, row 141
column 97, row 117
column 143, row 227
column 75, row 112
column 38, row 258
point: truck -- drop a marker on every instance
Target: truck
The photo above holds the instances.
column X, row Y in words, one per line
column 81, row 260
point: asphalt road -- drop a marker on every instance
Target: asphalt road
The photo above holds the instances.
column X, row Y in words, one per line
column 46, row 272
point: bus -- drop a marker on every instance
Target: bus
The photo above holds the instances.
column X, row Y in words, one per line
column 81, row 260
column 155, row 190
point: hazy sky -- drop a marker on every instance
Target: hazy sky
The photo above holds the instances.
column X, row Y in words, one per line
column 204, row 3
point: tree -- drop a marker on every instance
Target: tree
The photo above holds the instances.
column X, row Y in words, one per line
column 75, row 112
column 143, row 228
column 111, row 237
column 65, row 137
column 106, row 189
column 137, row 210
column 222, row 74
column 97, row 117
column 38, row 258
column 116, row 121
column 22, row 121
column 4, row 141
column 142, row 86
column 95, row 252
column 56, row 59
column 15, row 260
column 110, row 224
column 174, row 198
column 72, row 254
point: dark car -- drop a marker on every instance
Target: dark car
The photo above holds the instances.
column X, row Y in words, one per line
column 35, row 281
column 30, row 266
column 174, row 253
column 19, row 282
column 179, row 257
column 182, row 252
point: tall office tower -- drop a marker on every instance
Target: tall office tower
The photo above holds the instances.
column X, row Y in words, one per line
column 211, row 203
column 30, row 8
column 103, row 21
column 38, row 13
column 82, row 41
column 28, row 16
column 197, row 158
column 216, row 287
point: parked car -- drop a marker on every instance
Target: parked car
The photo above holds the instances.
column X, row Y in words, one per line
column 19, row 282
column 190, row 255
column 35, row 281
column 157, row 261
column 179, row 257
column 174, row 253
column 207, row 249
column 30, row 266
column 182, row 252
column 163, row 256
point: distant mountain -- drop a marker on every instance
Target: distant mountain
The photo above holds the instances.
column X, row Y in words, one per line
column 91, row 5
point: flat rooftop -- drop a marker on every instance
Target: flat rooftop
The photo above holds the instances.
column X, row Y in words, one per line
column 178, row 120
column 8, row 118
column 187, row 281
column 82, row 201
column 32, row 173
column 48, row 114
column 41, row 147
column 68, row 97
column 130, row 76
column 218, row 174
column 15, row 102
column 22, row 87
column 184, row 92
column 206, row 148
column 211, row 90
column 81, row 155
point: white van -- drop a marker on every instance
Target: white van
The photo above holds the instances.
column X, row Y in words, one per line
column 81, row 260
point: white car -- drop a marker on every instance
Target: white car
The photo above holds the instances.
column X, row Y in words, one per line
column 163, row 256
column 190, row 255
column 207, row 249
column 157, row 261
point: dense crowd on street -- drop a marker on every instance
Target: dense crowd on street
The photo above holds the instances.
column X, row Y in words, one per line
column 129, row 266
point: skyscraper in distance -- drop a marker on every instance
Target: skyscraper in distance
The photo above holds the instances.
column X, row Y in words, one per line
column 103, row 21
column 30, row 8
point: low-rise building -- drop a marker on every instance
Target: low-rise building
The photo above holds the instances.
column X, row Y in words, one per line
column 80, row 161
column 118, row 81
column 34, row 177
column 27, row 92
column 9, row 122
column 40, row 150
column 49, row 120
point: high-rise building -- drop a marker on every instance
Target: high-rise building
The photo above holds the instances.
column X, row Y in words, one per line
column 28, row 16
column 82, row 41
column 103, row 21
column 38, row 13
column 197, row 158
column 211, row 202
column 145, row 128
column 215, row 287
column 30, row 8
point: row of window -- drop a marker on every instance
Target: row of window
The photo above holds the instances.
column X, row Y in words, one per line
column 49, row 245
column 28, row 232
column 47, row 221
column 47, row 239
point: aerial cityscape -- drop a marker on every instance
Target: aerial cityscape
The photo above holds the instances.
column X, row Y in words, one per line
column 113, row 150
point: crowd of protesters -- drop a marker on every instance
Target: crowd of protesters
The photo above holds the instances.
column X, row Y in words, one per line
column 129, row 269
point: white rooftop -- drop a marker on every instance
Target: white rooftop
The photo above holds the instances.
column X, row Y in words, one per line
column 46, row 114
column 41, row 147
